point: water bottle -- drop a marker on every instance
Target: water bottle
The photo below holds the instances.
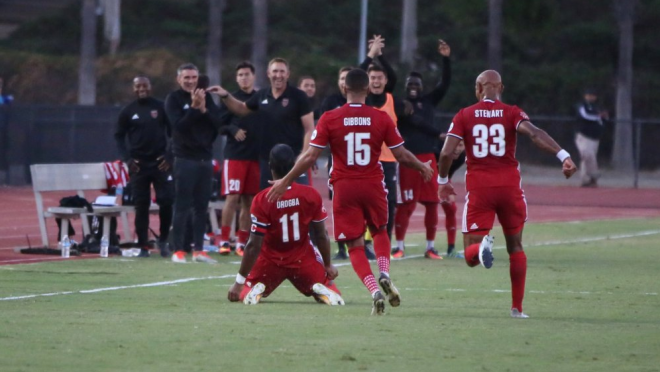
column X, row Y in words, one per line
column 119, row 193
column 105, row 244
column 65, row 247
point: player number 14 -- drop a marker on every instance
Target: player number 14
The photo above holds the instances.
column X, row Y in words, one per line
column 285, row 227
column 357, row 152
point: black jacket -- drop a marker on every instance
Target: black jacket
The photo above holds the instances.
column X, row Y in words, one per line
column 145, row 123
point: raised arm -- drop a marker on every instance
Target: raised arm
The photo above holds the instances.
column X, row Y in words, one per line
column 304, row 162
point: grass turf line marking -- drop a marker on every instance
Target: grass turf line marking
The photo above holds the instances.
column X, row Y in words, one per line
column 97, row 290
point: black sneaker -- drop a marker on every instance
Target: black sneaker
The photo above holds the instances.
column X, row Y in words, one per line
column 144, row 253
column 164, row 248
column 341, row 255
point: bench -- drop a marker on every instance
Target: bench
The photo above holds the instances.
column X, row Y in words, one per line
column 73, row 177
column 81, row 177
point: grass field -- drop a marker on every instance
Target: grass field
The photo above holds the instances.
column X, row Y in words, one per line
column 592, row 294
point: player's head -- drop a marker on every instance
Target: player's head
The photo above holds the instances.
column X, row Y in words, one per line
column 187, row 75
column 141, row 87
column 489, row 85
column 281, row 160
column 414, row 85
column 307, row 84
column 278, row 73
column 356, row 85
column 590, row 95
column 377, row 79
column 245, row 76
column 341, row 79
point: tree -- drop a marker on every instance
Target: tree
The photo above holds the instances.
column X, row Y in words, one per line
column 495, row 35
column 409, row 33
column 260, row 40
column 622, row 154
column 112, row 23
column 87, row 69
column 214, row 49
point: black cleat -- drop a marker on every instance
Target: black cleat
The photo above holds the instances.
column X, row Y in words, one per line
column 144, row 253
column 390, row 290
column 379, row 304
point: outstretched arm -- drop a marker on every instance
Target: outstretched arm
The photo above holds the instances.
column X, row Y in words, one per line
column 235, row 106
column 304, row 162
column 546, row 143
column 252, row 250
column 407, row 159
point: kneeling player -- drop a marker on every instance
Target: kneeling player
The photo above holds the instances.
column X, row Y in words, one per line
column 287, row 253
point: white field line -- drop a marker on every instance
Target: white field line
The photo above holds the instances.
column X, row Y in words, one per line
column 185, row 280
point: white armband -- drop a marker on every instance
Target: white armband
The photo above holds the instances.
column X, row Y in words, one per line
column 443, row 180
column 563, row 155
column 240, row 279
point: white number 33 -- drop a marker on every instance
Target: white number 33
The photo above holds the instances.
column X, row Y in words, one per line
column 482, row 147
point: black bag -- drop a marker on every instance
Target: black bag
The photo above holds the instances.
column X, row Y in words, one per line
column 74, row 201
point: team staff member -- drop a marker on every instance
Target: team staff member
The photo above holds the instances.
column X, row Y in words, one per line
column 282, row 229
column 195, row 120
column 422, row 137
column 239, row 183
column 287, row 119
column 145, row 124
column 489, row 130
column 355, row 133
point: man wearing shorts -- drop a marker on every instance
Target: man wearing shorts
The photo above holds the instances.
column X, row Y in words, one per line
column 355, row 133
column 489, row 130
column 279, row 247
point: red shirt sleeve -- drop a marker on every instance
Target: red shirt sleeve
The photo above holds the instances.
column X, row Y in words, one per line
column 320, row 134
column 456, row 128
column 392, row 136
column 260, row 220
column 320, row 214
column 518, row 116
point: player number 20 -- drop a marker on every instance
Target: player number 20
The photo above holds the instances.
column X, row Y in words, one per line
column 285, row 227
column 482, row 147
column 357, row 152
column 234, row 185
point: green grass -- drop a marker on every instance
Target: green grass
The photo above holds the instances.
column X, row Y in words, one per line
column 594, row 306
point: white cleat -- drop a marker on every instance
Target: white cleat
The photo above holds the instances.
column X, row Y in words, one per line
column 327, row 295
column 486, row 251
column 203, row 257
column 517, row 314
column 253, row 297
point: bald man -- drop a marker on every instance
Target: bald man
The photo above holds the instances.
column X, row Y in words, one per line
column 489, row 129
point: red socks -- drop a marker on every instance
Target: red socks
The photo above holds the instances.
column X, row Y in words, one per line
column 362, row 268
column 472, row 255
column 402, row 219
column 225, row 232
column 243, row 236
column 518, row 273
column 431, row 220
column 450, row 221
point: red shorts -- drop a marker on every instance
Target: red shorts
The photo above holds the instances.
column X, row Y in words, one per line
column 482, row 204
column 357, row 201
column 412, row 187
column 310, row 272
column 240, row 177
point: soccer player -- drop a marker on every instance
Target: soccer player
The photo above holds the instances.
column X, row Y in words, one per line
column 279, row 247
column 241, row 163
column 145, row 124
column 422, row 138
column 489, row 129
column 355, row 133
column 288, row 117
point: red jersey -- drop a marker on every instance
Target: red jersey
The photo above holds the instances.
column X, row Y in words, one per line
column 489, row 130
column 355, row 133
column 285, row 223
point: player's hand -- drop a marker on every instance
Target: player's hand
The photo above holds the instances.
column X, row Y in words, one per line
column 331, row 271
column 443, row 48
column 163, row 164
column 375, row 46
column 240, row 135
column 199, row 100
column 276, row 192
column 445, row 192
column 217, row 89
column 234, row 294
column 133, row 166
column 427, row 172
column 568, row 168
column 408, row 108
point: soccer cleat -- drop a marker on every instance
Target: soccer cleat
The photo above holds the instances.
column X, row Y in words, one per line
column 225, row 249
column 390, row 290
column 379, row 304
column 517, row 314
column 240, row 249
column 397, row 253
column 368, row 251
column 203, row 257
column 327, row 295
column 253, row 297
column 164, row 248
column 341, row 255
column 144, row 253
column 486, row 251
column 432, row 254
column 179, row 257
